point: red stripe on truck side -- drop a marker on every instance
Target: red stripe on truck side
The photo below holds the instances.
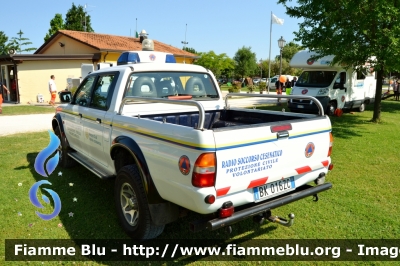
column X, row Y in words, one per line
column 258, row 182
column 303, row 170
column 223, row 191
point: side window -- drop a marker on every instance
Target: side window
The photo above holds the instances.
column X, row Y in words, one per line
column 83, row 94
column 360, row 74
column 100, row 92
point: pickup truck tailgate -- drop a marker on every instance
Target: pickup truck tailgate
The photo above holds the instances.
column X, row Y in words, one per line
column 250, row 158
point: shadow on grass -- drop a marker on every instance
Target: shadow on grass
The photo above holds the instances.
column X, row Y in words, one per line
column 388, row 106
column 346, row 126
column 94, row 215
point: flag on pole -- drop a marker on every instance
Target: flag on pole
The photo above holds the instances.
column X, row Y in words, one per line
column 276, row 20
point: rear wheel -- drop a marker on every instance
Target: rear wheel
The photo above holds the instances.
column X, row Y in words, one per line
column 65, row 160
column 331, row 108
column 132, row 206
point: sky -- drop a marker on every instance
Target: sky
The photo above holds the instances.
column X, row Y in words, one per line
column 223, row 26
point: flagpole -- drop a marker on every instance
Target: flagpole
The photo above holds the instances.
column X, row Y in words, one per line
column 269, row 67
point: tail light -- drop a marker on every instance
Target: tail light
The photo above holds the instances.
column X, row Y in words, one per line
column 330, row 144
column 204, row 170
column 278, row 128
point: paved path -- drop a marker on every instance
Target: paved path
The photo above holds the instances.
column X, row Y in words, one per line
column 12, row 124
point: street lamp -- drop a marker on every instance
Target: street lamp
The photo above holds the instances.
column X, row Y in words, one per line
column 281, row 44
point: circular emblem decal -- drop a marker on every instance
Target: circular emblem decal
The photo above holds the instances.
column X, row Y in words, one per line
column 304, row 91
column 152, row 57
column 343, row 98
column 309, row 151
column 184, row 165
column 310, row 61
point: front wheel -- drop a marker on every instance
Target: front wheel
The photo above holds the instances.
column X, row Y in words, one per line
column 331, row 108
column 132, row 206
column 361, row 108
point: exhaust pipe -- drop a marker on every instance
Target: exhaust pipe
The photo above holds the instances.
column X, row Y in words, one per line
column 282, row 221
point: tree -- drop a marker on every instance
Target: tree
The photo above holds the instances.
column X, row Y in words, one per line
column 17, row 43
column 3, row 46
column 245, row 62
column 56, row 24
column 190, row 50
column 289, row 50
column 353, row 31
column 76, row 19
column 216, row 63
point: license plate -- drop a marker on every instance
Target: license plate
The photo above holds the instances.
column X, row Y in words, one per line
column 273, row 189
column 300, row 106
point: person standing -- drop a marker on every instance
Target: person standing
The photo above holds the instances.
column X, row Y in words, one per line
column 278, row 87
column 52, row 90
column 294, row 81
column 396, row 90
column 2, row 87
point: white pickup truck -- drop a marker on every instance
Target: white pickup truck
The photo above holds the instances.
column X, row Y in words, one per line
column 172, row 143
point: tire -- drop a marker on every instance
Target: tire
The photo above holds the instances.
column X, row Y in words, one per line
column 132, row 206
column 65, row 160
column 361, row 108
column 331, row 108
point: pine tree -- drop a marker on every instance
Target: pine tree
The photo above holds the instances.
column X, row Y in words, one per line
column 77, row 19
column 17, row 43
column 3, row 43
column 56, row 24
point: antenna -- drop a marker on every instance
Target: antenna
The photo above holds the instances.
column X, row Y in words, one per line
column 84, row 26
column 184, row 45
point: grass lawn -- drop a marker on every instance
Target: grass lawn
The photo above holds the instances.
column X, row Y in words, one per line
column 363, row 203
column 26, row 110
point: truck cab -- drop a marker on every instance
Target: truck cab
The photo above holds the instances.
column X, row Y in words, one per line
column 334, row 86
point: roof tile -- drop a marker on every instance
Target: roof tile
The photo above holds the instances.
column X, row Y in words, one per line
column 119, row 43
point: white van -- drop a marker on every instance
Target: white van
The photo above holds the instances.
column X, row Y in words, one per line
column 333, row 86
column 274, row 78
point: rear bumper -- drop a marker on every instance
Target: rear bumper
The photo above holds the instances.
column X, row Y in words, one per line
column 255, row 209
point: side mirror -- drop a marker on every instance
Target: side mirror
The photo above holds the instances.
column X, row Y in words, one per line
column 65, row 96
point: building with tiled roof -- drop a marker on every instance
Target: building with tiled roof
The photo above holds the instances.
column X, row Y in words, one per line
column 63, row 55
column 109, row 46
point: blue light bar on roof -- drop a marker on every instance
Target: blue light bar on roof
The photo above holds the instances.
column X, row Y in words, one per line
column 134, row 57
column 170, row 59
column 128, row 58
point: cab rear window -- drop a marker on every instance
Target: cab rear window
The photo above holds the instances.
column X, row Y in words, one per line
column 165, row 84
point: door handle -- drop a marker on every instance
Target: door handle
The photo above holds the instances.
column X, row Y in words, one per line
column 98, row 120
